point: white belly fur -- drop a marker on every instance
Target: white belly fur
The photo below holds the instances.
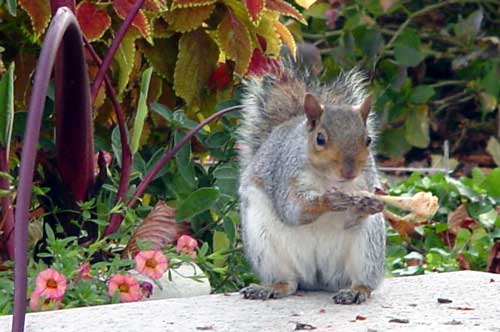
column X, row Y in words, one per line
column 280, row 252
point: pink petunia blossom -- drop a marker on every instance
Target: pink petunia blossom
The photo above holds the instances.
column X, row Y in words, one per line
column 151, row 263
column 187, row 245
column 126, row 285
column 38, row 302
column 50, row 284
column 84, row 271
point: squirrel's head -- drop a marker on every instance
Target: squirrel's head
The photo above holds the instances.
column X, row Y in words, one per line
column 338, row 140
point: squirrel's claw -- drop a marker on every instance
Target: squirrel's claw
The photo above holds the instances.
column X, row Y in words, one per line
column 260, row 292
column 350, row 296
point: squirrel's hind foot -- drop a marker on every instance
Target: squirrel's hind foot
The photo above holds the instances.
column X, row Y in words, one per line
column 265, row 292
column 355, row 295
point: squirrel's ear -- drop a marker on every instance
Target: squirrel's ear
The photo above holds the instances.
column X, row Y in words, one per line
column 364, row 108
column 313, row 110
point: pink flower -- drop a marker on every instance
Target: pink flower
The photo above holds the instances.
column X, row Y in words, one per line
column 187, row 245
column 84, row 271
column 151, row 263
column 38, row 302
column 50, row 284
column 127, row 285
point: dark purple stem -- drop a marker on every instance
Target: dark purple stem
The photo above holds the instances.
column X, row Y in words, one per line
column 126, row 153
column 114, row 47
column 63, row 24
column 6, row 203
column 170, row 154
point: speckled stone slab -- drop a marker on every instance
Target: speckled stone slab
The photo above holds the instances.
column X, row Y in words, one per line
column 401, row 304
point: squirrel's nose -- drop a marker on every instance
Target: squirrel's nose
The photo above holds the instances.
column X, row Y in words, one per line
column 348, row 172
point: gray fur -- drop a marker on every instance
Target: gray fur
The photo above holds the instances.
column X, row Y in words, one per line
column 335, row 251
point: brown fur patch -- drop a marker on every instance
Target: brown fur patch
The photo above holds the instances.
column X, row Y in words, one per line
column 282, row 287
column 362, row 289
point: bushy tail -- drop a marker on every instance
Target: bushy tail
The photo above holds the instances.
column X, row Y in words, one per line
column 278, row 97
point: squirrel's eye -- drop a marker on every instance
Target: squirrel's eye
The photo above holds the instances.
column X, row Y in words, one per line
column 320, row 139
column 368, row 141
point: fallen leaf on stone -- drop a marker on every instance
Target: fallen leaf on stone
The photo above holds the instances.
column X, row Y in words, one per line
column 453, row 322
column 322, row 311
column 359, row 317
column 205, row 328
column 462, row 308
column 492, row 280
column 443, row 300
column 303, row 326
column 399, row 320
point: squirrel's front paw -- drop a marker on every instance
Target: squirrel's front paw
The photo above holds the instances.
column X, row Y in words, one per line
column 260, row 292
column 356, row 295
column 368, row 205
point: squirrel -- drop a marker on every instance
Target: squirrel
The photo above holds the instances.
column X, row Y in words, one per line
column 305, row 147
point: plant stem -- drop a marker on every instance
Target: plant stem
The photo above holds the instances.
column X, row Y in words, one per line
column 445, row 83
column 126, row 162
column 114, row 47
column 170, row 154
column 7, row 215
column 63, row 24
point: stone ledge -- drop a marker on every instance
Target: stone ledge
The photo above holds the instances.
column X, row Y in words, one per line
column 475, row 307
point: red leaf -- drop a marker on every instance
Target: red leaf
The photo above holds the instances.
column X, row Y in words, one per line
column 260, row 64
column 93, row 21
column 123, row 7
column 463, row 262
column 220, row 78
column 460, row 218
column 39, row 13
column 494, row 259
column 286, row 9
column 254, row 8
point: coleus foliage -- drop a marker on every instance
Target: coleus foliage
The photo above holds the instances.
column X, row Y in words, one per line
column 190, row 43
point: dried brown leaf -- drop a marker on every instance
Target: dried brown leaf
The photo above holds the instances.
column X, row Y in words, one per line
column 159, row 228
column 494, row 259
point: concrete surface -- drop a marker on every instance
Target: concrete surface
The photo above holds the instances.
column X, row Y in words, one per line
column 181, row 285
column 401, row 304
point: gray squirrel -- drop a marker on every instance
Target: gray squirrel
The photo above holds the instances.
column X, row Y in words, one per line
column 305, row 147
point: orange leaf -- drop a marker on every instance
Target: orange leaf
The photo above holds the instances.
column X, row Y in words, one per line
column 235, row 42
column 286, row 9
column 191, row 3
column 254, row 9
column 39, row 13
column 286, row 37
column 123, row 7
column 93, row 21
column 159, row 229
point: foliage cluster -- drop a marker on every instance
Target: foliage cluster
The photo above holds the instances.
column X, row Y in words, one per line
column 433, row 67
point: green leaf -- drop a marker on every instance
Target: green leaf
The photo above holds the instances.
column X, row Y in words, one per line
column 12, row 7
column 407, row 49
column 488, row 219
column 492, row 183
column 142, row 110
column 221, row 242
column 421, row 94
column 7, row 107
column 392, row 142
column 407, row 56
column 230, row 229
column 163, row 111
column 417, row 127
column 125, row 56
column 199, row 201
column 183, row 160
column 471, row 26
column 493, row 148
column 198, row 55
